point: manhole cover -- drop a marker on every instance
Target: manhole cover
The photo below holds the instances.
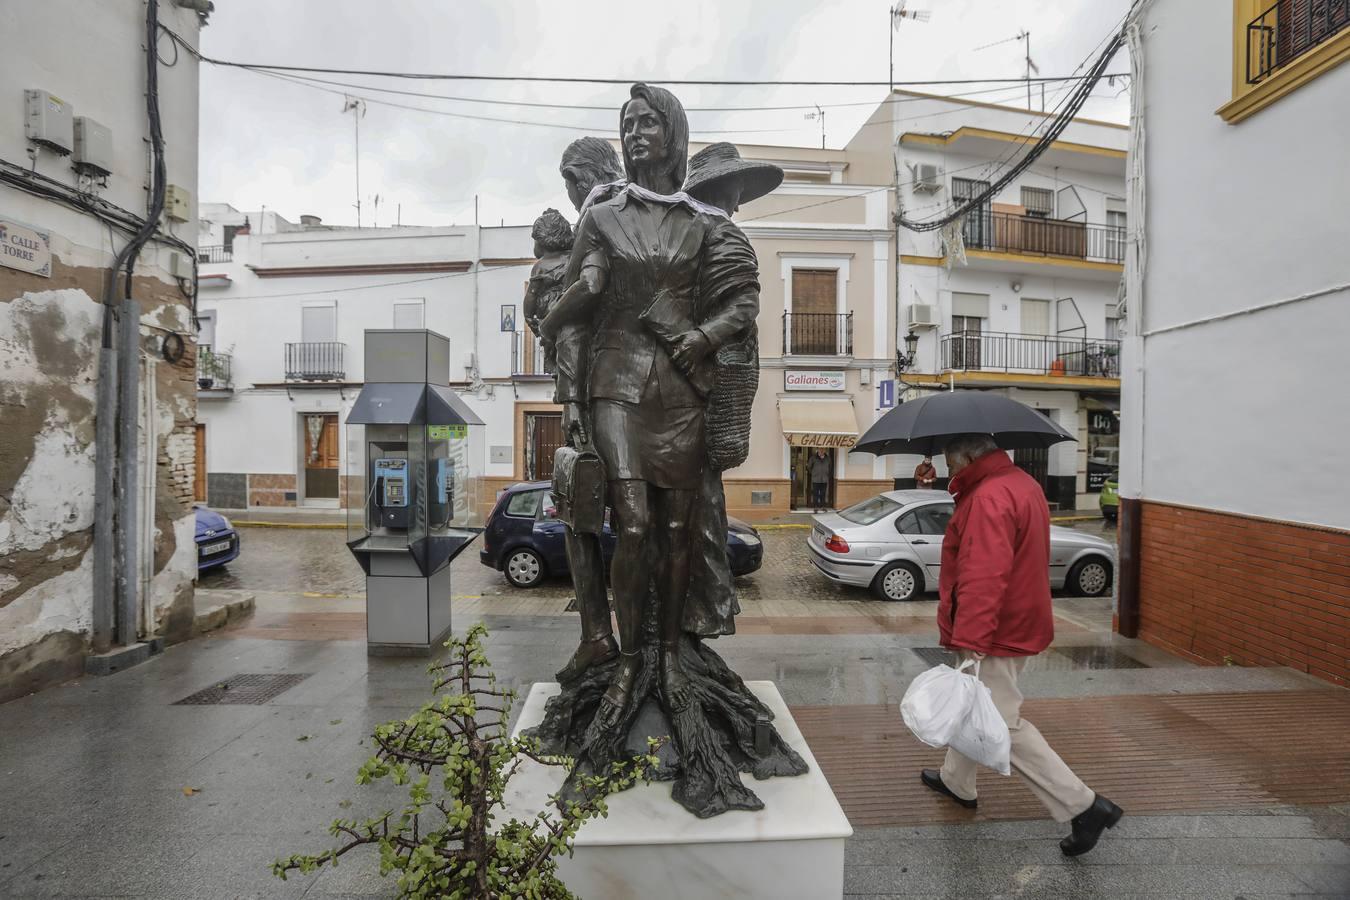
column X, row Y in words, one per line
column 246, row 689
column 1056, row 659
column 934, row 656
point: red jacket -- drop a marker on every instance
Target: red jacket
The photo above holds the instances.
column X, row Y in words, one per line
column 995, row 578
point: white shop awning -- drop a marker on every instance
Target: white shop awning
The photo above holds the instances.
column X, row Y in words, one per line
column 818, row 423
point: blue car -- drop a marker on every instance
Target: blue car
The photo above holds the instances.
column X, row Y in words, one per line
column 524, row 539
column 217, row 541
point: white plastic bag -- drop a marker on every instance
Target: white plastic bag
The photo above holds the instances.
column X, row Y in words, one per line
column 947, row 707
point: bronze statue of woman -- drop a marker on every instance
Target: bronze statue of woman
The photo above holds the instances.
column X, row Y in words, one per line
column 663, row 285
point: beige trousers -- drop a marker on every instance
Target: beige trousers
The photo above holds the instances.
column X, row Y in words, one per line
column 1053, row 782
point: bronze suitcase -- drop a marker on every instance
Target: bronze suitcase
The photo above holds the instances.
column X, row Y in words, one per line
column 579, row 489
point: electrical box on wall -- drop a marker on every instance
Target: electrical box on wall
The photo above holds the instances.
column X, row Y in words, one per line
column 93, row 148
column 48, row 121
column 177, row 203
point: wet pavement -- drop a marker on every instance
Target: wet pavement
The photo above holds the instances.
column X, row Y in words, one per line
column 1234, row 779
column 316, row 561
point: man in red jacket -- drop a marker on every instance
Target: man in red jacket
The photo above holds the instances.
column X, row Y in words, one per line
column 995, row 608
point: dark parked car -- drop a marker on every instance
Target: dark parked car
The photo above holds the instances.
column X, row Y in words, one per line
column 524, row 538
column 217, row 541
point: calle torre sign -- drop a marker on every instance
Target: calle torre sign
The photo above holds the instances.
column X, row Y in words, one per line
column 24, row 249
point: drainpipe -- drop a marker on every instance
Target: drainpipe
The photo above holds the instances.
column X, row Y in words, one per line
column 128, row 463
column 149, row 464
column 105, row 594
column 115, row 551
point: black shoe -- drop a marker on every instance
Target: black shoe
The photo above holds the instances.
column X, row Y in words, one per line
column 1089, row 825
column 933, row 778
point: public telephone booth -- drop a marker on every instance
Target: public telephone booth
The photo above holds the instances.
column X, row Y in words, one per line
column 415, row 456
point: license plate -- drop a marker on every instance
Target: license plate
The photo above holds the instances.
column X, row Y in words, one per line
column 208, row 549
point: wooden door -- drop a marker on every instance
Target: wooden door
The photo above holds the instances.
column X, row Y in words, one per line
column 321, row 457
column 199, row 472
column 543, row 437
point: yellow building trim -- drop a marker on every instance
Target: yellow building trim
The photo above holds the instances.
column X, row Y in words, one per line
column 1249, row 99
column 1048, row 260
column 1022, row 379
column 921, row 260
column 966, row 131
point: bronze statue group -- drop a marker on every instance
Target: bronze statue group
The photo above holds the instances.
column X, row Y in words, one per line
column 646, row 313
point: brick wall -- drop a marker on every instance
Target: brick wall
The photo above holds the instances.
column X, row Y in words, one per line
column 1216, row 588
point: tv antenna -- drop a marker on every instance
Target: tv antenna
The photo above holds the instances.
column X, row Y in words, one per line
column 1025, row 36
column 819, row 114
column 357, row 107
column 898, row 14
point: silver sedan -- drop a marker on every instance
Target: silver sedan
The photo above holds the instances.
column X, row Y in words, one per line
column 892, row 543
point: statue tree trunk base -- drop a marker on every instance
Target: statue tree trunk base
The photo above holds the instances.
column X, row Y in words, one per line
column 722, row 731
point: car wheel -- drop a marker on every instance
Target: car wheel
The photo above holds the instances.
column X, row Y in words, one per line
column 1090, row 577
column 524, row 568
column 899, row 581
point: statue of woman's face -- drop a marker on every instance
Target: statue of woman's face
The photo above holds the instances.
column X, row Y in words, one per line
column 644, row 134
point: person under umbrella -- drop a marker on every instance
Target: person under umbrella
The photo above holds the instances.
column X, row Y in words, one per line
column 995, row 608
column 994, row 585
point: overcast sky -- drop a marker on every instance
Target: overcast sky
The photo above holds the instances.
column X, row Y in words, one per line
column 288, row 147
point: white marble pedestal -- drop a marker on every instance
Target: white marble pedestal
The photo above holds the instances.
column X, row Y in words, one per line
column 651, row 847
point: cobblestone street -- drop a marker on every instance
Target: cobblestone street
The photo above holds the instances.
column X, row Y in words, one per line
column 315, row 562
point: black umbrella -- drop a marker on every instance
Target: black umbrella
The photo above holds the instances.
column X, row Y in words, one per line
column 926, row 424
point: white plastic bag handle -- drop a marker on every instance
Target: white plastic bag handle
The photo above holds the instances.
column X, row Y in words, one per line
column 970, row 662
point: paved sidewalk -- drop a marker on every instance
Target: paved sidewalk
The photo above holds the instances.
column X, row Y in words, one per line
column 1235, row 780
column 93, row 773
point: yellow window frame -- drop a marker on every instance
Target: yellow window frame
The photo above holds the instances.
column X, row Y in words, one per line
column 1249, row 99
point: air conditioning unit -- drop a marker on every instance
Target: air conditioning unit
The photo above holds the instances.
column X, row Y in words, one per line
column 923, row 315
column 927, row 178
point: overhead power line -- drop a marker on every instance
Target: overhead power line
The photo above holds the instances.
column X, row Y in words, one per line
column 1061, row 121
column 317, row 85
column 559, row 79
column 610, row 108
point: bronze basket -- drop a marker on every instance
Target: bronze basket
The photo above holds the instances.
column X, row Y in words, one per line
column 731, row 402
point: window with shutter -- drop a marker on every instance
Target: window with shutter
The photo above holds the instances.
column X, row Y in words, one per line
column 1039, row 202
column 814, row 321
column 318, row 324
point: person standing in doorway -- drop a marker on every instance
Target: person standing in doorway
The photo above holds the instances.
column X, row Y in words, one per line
column 819, row 467
column 995, row 608
column 925, row 473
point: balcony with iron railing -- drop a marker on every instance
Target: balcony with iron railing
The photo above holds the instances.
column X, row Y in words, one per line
column 1029, row 354
column 527, row 356
column 213, row 370
column 1003, row 232
column 215, row 254
column 316, row 361
column 817, row 334
column 1288, row 30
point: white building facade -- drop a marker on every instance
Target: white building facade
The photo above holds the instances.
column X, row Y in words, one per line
column 1021, row 295
column 284, row 315
column 1235, row 529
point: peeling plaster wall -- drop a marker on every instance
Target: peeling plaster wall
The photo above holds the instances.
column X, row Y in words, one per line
column 91, row 56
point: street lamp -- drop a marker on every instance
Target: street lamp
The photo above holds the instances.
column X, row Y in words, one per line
column 904, row 360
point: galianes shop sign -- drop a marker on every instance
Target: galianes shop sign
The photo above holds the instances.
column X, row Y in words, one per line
column 813, row 380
